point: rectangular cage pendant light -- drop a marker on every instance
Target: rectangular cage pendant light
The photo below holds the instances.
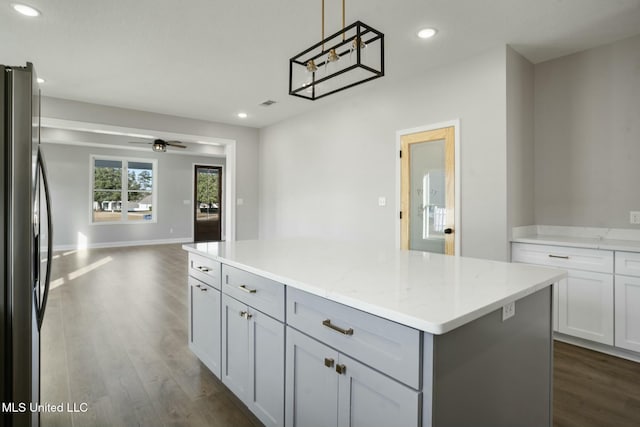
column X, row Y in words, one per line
column 345, row 59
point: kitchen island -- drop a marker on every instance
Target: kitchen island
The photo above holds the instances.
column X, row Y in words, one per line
column 313, row 332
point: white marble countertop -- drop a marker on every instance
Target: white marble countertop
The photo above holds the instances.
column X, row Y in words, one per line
column 430, row 292
column 579, row 237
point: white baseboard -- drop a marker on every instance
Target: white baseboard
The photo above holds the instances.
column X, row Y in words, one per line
column 602, row 348
column 124, row 244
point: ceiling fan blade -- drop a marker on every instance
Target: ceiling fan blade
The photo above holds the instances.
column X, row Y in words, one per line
column 175, row 144
column 140, row 142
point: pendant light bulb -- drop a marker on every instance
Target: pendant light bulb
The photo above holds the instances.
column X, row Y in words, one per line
column 311, row 66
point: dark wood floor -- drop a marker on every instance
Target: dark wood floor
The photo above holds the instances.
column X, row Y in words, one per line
column 115, row 337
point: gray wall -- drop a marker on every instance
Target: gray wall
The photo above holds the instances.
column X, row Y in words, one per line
column 69, row 171
column 587, row 137
column 520, row 141
column 322, row 172
column 246, row 145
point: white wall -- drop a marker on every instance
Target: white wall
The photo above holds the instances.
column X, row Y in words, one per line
column 69, row 171
column 322, row 172
column 246, row 145
column 520, row 141
column 587, row 137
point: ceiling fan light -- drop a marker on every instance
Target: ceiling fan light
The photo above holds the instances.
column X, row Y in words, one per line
column 159, row 147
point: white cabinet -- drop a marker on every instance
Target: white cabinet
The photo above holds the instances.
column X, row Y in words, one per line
column 585, row 306
column 204, row 324
column 253, row 359
column 583, row 302
column 327, row 388
column 627, row 296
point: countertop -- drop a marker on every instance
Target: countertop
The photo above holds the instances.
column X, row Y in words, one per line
column 579, row 237
column 430, row 292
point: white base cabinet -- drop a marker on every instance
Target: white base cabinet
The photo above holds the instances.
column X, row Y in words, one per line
column 253, row 359
column 204, row 324
column 585, row 306
column 628, row 312
column 583, row 302
column 327, row 388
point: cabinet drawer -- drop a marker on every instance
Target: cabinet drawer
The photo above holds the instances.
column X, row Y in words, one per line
column 258, row 292
column 628, row 263
column 205, row 270
column 564, row 257
column 384, row 345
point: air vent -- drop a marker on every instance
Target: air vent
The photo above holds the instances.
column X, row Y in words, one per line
column 268, row 103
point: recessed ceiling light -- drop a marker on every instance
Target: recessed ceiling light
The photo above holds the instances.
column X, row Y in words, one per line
column 25, row 10
column 41, row 80
column 427, row 33
column 242, row 115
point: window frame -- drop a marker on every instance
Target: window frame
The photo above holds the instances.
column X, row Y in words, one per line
column 124, row 191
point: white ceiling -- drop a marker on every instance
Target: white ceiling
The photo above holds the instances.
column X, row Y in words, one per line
column 210, row 59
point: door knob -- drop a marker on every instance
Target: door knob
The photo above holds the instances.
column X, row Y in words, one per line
column 448, row 231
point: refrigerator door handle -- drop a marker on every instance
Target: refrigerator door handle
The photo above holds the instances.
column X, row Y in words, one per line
column 47, row 278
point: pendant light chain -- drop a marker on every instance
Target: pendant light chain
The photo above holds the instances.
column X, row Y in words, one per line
column 322, row 25
column 343, row 21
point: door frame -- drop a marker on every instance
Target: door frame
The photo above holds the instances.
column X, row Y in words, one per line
column 457, row 216
column 225, row 203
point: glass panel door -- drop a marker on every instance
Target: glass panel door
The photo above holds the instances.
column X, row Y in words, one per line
column 427, row 196
column 427, row 216
column 207, row 203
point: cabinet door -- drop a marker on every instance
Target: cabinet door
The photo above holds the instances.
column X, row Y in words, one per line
column 585, row 306
column 312, row 382
column 235, row 347
column 204, row 324
column 368, row 398
column 628, row 312
column 266, row 358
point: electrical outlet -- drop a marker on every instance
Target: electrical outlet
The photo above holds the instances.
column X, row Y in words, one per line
column 508, row 310
column 634, row 217
column 382, row 201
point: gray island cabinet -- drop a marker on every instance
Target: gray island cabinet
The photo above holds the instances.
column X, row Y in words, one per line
column 320, row 333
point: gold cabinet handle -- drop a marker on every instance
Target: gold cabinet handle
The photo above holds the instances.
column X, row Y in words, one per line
column 203, row 268
column 246, row 315
column 328, row 362
column 558, row 256
column 341, row 369
column 328, row 324
column 247, row 290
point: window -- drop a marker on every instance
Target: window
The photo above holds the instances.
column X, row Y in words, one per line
column 123, row 190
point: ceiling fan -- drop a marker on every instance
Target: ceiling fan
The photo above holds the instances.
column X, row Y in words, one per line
column 160, row 145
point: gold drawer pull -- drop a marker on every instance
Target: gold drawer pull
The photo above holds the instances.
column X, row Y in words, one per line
column 328, row 324
column 246, row 315
column 247, row 290
column 341, row 369
column 203, row 268
column 558, row 256
column 328, row 362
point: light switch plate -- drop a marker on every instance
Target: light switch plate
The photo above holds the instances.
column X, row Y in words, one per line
column 382, row 201
column 634, row 217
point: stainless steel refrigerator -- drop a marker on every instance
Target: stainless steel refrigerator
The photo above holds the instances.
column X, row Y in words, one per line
column 25, row 253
